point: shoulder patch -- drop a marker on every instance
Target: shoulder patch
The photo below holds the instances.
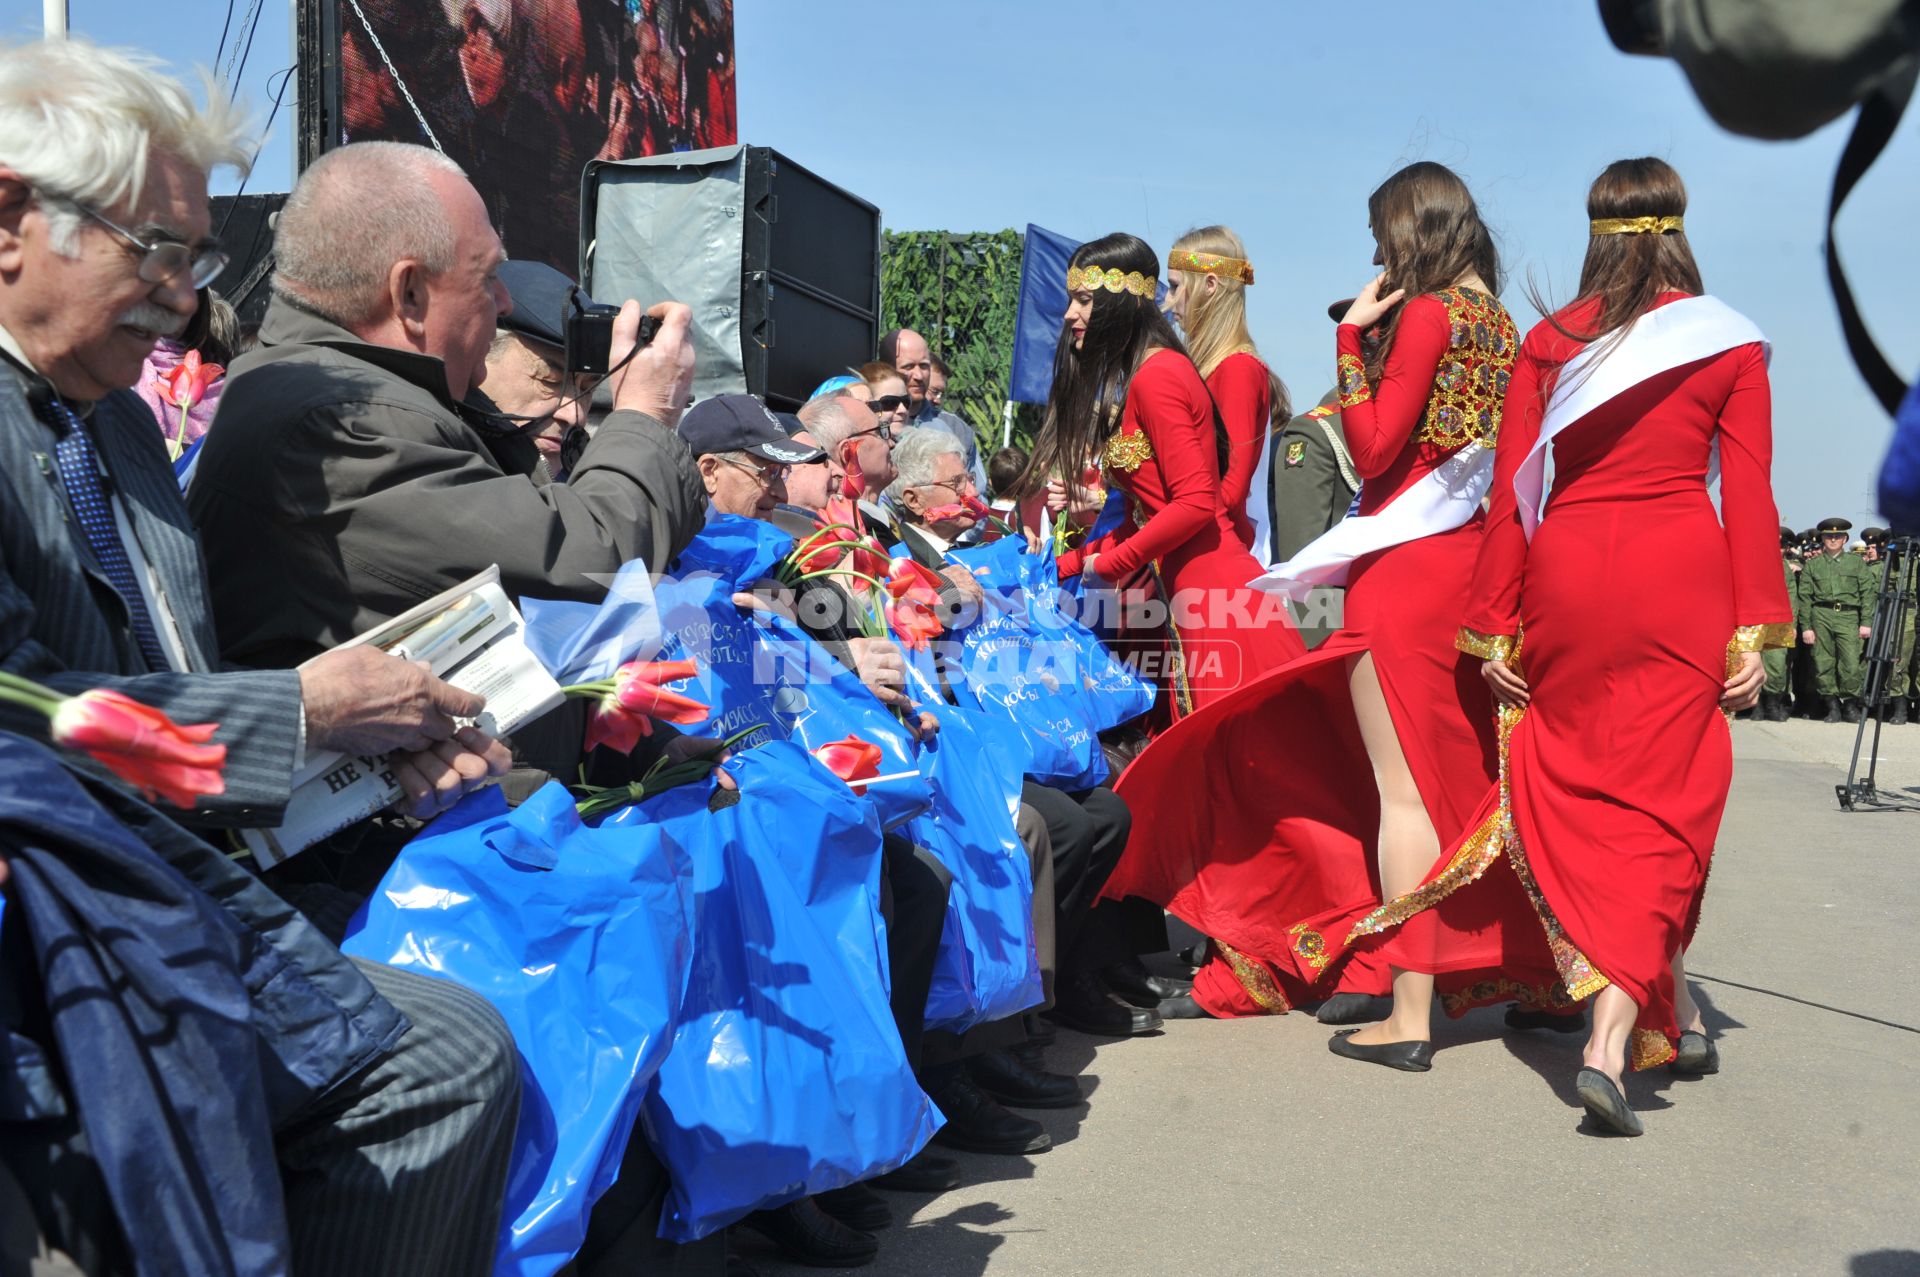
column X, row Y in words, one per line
column 1296, row 451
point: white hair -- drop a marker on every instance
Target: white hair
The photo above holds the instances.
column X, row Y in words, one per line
column 79, row 122
column 828, row 421
column 355, row 212
column 914, row 454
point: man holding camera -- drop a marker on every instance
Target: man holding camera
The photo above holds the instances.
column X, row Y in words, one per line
column 349, row 475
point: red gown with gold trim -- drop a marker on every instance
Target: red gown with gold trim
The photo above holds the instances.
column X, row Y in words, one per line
column 1242, row 390
column 1256, row 819
column 1221, row 634
column 1618, row 769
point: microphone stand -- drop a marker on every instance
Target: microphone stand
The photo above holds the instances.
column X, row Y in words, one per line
column 1897, row 577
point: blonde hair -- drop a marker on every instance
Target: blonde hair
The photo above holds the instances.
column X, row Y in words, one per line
column 1216, row 322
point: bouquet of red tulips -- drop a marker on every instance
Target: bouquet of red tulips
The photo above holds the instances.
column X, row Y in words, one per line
column 139, row 744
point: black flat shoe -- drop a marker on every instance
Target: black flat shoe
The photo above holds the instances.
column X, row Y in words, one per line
column 1696, row 1056
column 1605, row 1103
column 856, row 1206
column 1352, row 1008
column 979, row 1125
column 926, row 1172
column 808, row 1235
column 1408, row 1057
column 1085, row 1003
column 1183, row 1007
column 1132, row 982
column 1520, row 1018
column 1008, row 1079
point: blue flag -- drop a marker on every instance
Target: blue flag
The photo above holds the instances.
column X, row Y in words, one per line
column 1043, row 309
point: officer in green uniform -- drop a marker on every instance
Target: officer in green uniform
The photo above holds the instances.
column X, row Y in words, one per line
column 1774, row 696
column 1898, row 687
column 1313, row 484
column 1835, row 596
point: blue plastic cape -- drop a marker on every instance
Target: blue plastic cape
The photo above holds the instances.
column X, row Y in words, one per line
column 580, row 938
column 787, row 1076
column 986, row 968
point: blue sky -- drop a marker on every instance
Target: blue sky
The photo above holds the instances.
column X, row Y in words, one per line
column 1277, row 118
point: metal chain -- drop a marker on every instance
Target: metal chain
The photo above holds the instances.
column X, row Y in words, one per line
column 395, row 73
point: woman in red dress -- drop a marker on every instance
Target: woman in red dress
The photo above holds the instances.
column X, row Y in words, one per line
column 1208, row 275
column 1260, row 820
column 1125, row 392
column 1618, row 758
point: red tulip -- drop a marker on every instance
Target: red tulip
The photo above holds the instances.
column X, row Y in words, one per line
column 654, row 701
column 142, row 746
column 913, row 600
column 941, row 513
column 187, row 384
column 852, row 760
column 614, row 725
column 625, row 706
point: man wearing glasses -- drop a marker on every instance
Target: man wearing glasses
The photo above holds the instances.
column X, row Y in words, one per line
column 743, row 454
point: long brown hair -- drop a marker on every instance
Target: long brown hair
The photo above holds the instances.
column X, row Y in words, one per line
column 1430, row 234
column 1627, row 273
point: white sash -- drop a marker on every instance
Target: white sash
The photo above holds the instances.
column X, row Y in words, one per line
column 1661, row 340
column 1443, row 500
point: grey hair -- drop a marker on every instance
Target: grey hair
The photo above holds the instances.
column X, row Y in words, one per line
column 79, row 122
column 353, row 214
column 914, row 454
column 828, row 421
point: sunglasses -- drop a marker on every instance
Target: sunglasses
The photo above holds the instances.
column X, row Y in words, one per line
column 889, row 403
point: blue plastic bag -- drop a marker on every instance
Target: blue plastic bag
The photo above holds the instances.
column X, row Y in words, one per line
column 787, row 1076
column 1113, row 691
column 987, row 967
column 1011, row 661
column 580, row 939
column 760, row 669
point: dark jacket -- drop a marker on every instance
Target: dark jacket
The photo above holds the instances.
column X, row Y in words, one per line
column 1313, row 479
column 340, row 485
column 189, row 1010
column 63, row 624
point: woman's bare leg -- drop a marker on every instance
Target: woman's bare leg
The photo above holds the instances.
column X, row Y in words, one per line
column 1408, row 846
column 1686, row 1012
column 1613, row 1016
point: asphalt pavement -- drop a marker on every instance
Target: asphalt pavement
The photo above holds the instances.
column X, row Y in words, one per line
column 1230, row 1148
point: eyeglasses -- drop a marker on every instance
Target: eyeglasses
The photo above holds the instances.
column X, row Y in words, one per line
column 889, row 403
column 959, row 487
column 882, row 430
column 163, row 260
column 767, row 475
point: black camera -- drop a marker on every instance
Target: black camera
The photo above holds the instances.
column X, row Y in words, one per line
column 590, row 336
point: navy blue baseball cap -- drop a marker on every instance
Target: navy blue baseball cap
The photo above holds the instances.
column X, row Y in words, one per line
column 741, row 423
column 540, row 303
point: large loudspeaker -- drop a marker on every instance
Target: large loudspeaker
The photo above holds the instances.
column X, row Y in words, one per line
column 244, row 225
column 781, row 267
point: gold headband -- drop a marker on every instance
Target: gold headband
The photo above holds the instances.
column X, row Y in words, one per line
column 1211, row 264
column 1635, row 225
column 1110, row 278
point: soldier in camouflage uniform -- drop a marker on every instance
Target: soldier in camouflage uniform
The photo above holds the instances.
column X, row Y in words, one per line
column 1835, row 595
column 1898, row 687
column 1774, row 696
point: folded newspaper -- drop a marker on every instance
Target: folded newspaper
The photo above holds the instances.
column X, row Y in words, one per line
column 473, row 637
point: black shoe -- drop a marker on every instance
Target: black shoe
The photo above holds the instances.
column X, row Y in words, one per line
column 1572, row 1021
column 1352, row 1008
column 1696, row 1056
column 1850, row 709
column 808, row 1235
column 1184, row 1007
column 1085, row 1003
column 856, row 1206
column 1779, row 711
column 1132, row 982
column 977, row 1124
column 1833, row 710
column 1005, row 1077
column 1605, row 1103
column 1897, row 716
column 927, row 1172
column 1408, row 1057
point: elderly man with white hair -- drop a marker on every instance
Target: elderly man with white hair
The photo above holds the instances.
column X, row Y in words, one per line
column 393, row 1140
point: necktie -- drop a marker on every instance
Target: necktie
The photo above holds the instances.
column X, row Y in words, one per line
column 80, row 472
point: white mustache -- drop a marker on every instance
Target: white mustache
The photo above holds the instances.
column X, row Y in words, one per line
column 155, row 319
